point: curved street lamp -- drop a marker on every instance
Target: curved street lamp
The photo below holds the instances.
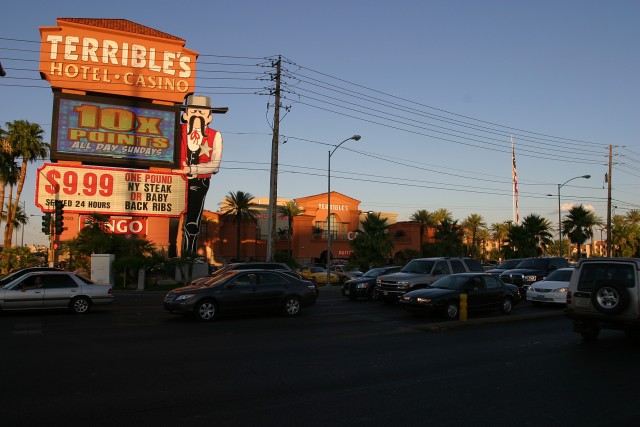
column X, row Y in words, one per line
column 559, row 212
column 355, row 138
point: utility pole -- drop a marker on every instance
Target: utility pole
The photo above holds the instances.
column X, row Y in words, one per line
column 609, row 241
column 273, row 186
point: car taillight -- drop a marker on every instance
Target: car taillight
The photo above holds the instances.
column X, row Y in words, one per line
column 110, row 291
column 568, row 297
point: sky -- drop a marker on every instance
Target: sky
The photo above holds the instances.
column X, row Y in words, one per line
column 438, row 90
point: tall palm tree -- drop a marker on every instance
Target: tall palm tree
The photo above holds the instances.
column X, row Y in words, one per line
column 425, row 218
column 499, row 232
column 442, row 214
column 449, row 235
column 372, row 245
column 26, row 142
column 238, row 207
column 9, row 170
column 537, row 230
column 20, row 218
column 289, row 210
column 633, row 217
column 473, row 223
column 578, row 225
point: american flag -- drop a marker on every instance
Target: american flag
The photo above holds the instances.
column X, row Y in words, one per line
column 514, row 176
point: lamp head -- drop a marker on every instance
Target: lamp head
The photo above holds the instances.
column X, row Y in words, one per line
column 356, row 137
column 586, row 176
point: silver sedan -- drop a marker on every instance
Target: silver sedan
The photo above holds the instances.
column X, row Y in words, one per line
column 52, row 289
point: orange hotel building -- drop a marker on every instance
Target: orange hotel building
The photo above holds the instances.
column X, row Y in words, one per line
column 217, row 240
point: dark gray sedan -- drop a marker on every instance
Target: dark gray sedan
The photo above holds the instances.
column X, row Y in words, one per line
column 242, row 291
column 484, row 292
column 31, row 289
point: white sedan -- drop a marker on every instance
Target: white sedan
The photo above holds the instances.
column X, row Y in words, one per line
column 552, row 289
column 51, row 289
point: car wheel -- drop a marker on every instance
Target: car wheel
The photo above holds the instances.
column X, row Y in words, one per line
column 610, row 297
column 507, row 306
column 452, row 310
column 292, row 306
column 205, row 311
column 80, row 305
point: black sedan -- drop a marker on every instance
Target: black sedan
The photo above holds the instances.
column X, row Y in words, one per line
column 484, row 292
column 242, row 291
column 364, row 286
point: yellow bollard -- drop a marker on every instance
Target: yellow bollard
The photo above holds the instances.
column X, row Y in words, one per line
column 463, row 307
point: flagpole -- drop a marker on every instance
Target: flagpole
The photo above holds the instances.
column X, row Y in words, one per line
column 514, row 186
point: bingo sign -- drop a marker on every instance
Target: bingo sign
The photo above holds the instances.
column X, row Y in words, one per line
column 109, row 131
column 122, row 225
column 110, row 191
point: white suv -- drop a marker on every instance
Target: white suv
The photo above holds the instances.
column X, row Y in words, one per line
column 604, row 293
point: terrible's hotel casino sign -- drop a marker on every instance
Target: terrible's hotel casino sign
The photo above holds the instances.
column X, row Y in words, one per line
column 116, row 85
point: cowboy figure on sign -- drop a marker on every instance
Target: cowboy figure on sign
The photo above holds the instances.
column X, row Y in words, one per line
column 200, row 155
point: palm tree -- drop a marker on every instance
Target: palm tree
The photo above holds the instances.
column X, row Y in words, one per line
column 20, row 218
column 9, row 170
column 442, row 215
column 425, row 218
column 372, row 245
column 499, row 232
column 473, row 223
column 238, row 207
column 290, row 209
column 537, row 230
column 26, row 141
column 449, row 236
column 633, row 217
column 578, row 225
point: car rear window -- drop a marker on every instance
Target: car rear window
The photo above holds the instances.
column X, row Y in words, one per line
column 473, row 264
column 593, row 274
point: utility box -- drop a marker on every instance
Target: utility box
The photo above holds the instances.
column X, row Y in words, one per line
column 102, row 268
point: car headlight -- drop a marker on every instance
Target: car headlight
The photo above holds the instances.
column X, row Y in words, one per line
column 362, row 286
column 421, row 300
column 406, row 298
column 185, row 297
column 378, row 281
column 530, row 279
column 562, row 290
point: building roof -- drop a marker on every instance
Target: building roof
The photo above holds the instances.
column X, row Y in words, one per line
column 121, row 25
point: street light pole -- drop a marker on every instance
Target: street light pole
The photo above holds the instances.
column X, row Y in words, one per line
column 559, row 212
column 355, row 138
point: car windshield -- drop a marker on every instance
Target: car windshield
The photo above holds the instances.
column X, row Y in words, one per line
column 534, row 263
column 418, row 266
column 560, row 276
column 456, row 283
column 509, row 264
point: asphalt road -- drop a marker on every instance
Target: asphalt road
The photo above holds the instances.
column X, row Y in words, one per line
column 340, row 363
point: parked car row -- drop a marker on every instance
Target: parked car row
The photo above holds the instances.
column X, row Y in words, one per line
column 435, row 284
column 442, row 285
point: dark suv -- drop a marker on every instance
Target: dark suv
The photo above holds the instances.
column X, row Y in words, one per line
column 530, row 270
column 420, row 273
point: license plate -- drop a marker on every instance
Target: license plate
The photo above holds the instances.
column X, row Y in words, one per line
column 538, row 297
column 346, row 291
